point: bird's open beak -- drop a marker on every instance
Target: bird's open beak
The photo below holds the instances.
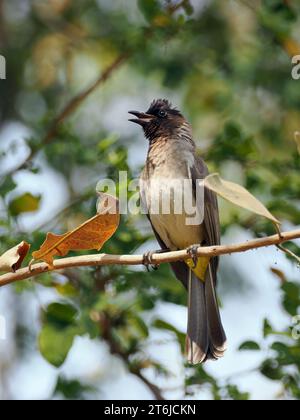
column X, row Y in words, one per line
column 142, row 118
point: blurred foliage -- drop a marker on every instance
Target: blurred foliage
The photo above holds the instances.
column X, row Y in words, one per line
column 228, row 65
column 24, row 204
column 72, row 389
column 283, row 361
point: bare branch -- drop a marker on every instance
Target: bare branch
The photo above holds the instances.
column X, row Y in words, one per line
column 71, row 106
column 153, row 388
column 76, row 101
column 107, row 259
column 116, row 350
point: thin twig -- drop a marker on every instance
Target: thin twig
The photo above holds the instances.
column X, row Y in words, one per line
column 71, row 106
column 289, row 252
column 167, row 257
column 75, row 102
column 153, row 388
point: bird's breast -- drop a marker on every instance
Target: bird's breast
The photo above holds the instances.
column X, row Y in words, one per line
column 168, row 193
column 170, row 158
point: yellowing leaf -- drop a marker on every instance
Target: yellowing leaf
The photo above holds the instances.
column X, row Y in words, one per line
column 291, row 46
column 90, row 235
column 161, row 20
column 238, row 195
column 12, row 259
column 24, row 204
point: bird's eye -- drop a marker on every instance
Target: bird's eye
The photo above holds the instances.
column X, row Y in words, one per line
column 162, row 113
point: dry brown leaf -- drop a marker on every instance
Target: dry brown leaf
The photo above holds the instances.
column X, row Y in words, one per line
column 238, row 195
column 12, row 259
column 90, row 235
column 280, row 274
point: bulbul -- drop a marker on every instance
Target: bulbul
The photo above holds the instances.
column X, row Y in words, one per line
column 171, row 162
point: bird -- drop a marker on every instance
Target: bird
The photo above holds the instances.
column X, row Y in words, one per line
column 172, row 161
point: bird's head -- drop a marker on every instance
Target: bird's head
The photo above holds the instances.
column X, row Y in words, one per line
column 161, row 120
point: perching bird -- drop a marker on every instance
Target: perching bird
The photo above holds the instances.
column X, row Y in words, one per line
column 171, row 162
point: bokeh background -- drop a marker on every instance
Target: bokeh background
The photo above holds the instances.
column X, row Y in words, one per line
column 74, row 69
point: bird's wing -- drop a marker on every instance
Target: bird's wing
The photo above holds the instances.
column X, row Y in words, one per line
column 206, row 316
column 211, row 212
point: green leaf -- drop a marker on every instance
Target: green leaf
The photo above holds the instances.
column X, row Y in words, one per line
column 281, row 8
column 55, row 344
column 232, row 144
column 146, row 302
column 7, row 186
column 67, row 290
column 149, row 8
column 267, row 328
column 235, row 394
column 59, row 330
column 291, row 297
column 24, row 204
column 292, row 384
column 137, row 326
column 188, row 8
column 60, row 314
column 72, row 389
column 271, row 369
column 107, row 142
column 199, row 377
column 249, row 345
column 286, row 355
column 277, row 16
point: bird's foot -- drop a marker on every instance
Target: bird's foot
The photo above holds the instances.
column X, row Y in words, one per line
column 148, row 260
column 192, row 251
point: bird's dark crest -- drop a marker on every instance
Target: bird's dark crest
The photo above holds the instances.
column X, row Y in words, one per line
column 158, row 104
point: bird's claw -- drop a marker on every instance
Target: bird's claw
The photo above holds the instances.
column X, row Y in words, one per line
column 148, row 262
column 192, row 251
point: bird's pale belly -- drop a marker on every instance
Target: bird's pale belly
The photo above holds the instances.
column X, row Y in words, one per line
column 170, row 218
column 174, row 231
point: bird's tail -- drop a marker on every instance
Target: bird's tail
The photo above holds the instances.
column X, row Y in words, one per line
column 206, row 338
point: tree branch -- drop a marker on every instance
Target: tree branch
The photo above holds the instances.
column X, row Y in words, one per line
column 153, row 388
column 115, row 349
column 167, row 257
column 76, row 101
column 71, row 106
